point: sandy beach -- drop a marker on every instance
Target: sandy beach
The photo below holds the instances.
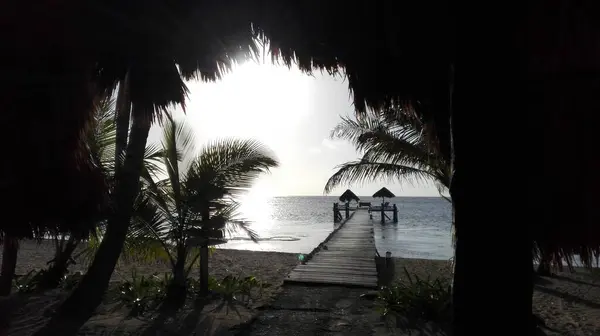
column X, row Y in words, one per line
column 270, row 267
column 568, row 302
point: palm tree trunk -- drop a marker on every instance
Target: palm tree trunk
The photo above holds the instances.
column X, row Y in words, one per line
column 84, row 300
column 123, row 110
column 545, row 264
column 203, row 271
column 10, row 251
column 59, row 267
column 495, row 228
column 177, row 291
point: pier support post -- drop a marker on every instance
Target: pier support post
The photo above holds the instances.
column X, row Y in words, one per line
column 395, row 218
column 337, row 216
column 388, row 259
column 382, row 212
column 347, row 210
column 386, row 269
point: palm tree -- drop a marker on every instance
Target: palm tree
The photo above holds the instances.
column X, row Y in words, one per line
column 101, row 140
column 197, row 200
column 174, row 43
column 395, row 145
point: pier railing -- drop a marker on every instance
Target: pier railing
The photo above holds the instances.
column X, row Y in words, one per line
column 382, row 209
column 337, row 212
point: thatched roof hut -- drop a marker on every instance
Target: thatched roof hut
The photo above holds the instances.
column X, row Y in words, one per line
column 534, row 74
column 348, row 196
column 56, row 71
column 383, row 193
column 524, row 81
column 60, row 68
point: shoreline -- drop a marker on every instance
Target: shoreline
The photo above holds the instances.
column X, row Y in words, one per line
column 34, row 255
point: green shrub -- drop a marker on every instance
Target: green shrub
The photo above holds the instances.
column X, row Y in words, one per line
column 29, row 282
column 140, row 295
column 415, row 301
column 35, row 281
column 70, row 281
column 233, row 290
column 193, row 285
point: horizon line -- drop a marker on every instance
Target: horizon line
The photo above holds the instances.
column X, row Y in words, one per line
column 400, row 196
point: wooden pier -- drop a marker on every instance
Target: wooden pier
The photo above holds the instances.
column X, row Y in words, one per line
column 346, row 259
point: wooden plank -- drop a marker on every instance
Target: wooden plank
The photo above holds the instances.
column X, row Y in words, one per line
column 341, row 260
column 348, row 260
column 365, row 258
column 339, row 282
column 326, row 267
column 346, row 266
column 366, row 282
column 366, row 250
column 347, row 253
column 350, row 265
column 347, row 279
column 340, row 265
column 332, row 282
column 335, row 271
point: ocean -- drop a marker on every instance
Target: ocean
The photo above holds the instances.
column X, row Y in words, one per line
column 297, row 224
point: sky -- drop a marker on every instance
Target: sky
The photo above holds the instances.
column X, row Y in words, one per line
column 290, row 112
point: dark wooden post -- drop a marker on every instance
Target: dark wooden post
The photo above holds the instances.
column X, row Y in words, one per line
column 335, row 212
column 382, row 212
column 395, row 214
column 347, row 210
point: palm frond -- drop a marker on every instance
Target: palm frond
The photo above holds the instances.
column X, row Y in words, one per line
column 362, row 171
column 101, row 136
column 178, row 144
column 153, row 156
column 229, row 167
column 395, row 145
column 149, row 233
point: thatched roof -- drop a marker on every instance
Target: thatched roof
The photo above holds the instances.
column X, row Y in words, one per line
column 384, row 192
column 348, row 196
column 56, row 70
column 392, row 52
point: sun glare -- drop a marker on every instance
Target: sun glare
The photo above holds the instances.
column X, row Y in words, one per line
column 258, row 101
column 256, row 207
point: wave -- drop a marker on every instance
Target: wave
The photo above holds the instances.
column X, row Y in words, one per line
column 275, row 238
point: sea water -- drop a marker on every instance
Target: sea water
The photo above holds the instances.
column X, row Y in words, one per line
column 297, row 224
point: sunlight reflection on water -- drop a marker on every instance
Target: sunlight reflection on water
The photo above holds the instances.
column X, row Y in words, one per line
column 299, row 224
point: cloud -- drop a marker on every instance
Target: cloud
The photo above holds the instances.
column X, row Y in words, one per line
column 329, row 143
column 314, row 150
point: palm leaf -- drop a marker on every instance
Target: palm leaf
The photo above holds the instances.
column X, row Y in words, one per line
column 395, row 145
column 149, row 231
column 363, row 171
column 230, row 165
column 178, row 143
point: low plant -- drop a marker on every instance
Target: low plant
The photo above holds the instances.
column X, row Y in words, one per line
column 143, row 295
column 415, row 301
column 193, row 285
column 140, row 294
column 29, row 282
column 70, row 281
column 235, row 291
